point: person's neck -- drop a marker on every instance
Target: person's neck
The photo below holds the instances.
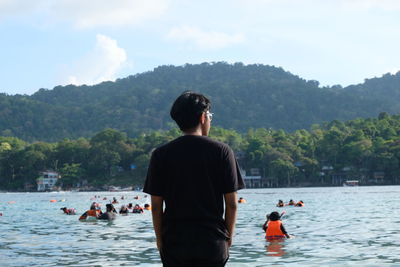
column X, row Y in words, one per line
column 196, row 131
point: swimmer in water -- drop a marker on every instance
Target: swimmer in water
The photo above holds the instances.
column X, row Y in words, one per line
column 68, row 211
column 299, row 204
column 109, row 214
column 92, row 212
column 123, row 210
column 137, row 209
column 273, row 227
column 280, row 203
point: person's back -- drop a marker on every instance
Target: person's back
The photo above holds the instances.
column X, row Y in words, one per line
column 193, row 175
column 273, row 227
column 193, row 185
column 109, row 214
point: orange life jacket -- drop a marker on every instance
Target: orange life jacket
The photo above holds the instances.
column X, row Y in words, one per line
column 274, row 230
column 90, row 213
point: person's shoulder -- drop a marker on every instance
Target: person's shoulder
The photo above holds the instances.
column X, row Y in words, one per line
column 223, row 148
column 166, row 146
column 203, row 141
column 213, row 142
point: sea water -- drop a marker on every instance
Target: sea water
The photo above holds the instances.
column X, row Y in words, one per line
column 338, row 226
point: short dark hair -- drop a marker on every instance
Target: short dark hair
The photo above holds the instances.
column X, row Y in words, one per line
column 274, row 216
column 187, row 109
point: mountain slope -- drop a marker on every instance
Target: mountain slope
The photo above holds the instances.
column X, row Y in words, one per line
column 243, row 96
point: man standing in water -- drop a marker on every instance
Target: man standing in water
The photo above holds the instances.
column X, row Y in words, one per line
column 194, row 176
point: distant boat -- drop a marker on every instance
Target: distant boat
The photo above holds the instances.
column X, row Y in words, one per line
column 351, row 183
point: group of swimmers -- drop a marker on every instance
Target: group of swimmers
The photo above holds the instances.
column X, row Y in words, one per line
column 290, row 203
column 273, row 226
column 95, row 211
column 124, row 210
column 110, row 214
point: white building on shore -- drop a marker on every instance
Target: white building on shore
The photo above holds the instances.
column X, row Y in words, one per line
column 47, row 180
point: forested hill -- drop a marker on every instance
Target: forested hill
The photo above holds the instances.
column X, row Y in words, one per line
column 243, row 96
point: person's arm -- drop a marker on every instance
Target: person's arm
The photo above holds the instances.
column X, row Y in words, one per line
column 83, row 216
column 230, row 213
column 157, row 212
column 265, row 226
column 284, row 231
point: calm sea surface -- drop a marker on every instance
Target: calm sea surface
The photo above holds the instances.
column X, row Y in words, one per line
column 339, row 226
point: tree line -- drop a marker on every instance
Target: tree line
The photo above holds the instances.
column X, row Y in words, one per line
column 356, row 149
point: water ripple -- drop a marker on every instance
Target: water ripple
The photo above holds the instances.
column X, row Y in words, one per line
column 337, row 227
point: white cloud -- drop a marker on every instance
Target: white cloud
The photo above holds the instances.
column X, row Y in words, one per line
column 101, row 64
column 87, row 13
column 386, row 5
column 202, row 39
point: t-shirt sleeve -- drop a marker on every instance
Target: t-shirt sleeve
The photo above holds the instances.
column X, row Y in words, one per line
column 154, row 184
column 232, row 179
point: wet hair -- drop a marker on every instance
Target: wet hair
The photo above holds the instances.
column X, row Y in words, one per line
column 187, row 109
column 109, row 207
column 93, row 206
column 274, row 216
column 146, row 205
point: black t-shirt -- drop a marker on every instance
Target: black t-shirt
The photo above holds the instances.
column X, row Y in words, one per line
column 192, row 174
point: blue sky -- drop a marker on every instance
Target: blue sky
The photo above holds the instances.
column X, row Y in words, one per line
column 46, row 43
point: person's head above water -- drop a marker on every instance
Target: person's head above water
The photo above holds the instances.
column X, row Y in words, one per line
column 109, row 207
column 274, row 216
column 191, row 109
column 93, row 206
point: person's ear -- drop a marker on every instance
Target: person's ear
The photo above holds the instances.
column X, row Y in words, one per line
column 203, row 118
